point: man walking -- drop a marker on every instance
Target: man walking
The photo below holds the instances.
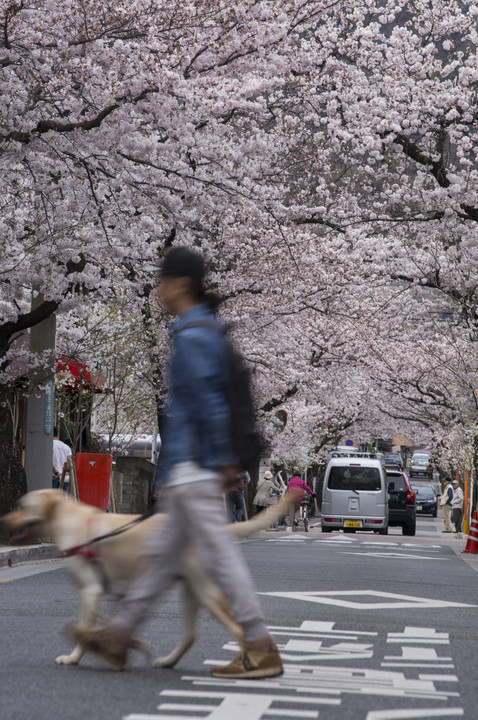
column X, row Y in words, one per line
column 445, row 504
column 198, row 458
column 61, row 454
column 457, row 506
column 235, row 499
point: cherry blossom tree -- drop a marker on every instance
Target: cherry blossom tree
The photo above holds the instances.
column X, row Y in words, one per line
column 125, row 127
column 321, row 154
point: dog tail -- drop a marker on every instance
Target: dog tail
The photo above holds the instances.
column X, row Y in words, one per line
column 263, row 520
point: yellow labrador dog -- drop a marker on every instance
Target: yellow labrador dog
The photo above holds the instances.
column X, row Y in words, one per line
column 109, row 565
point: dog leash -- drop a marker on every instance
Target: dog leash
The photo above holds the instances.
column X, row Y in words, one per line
column 85, row 549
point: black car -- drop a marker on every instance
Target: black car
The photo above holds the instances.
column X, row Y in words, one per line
column 401, row 502
column 426, row 498
column 392, row 461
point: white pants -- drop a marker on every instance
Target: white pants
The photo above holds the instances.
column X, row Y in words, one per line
column 446, row 514
column 194, row 517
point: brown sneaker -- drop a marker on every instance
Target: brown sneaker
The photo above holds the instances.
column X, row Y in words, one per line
column 109, row 644
column 251, row 664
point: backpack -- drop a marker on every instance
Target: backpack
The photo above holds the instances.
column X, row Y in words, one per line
column 244, row 435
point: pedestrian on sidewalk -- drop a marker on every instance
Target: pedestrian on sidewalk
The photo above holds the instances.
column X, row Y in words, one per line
column 235, row 499
column 445, row 504
column 61, row 455
column 268, row 492
column 457, row 506
column 197, row 465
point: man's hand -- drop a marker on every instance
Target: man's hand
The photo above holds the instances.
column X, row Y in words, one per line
column 231, row 475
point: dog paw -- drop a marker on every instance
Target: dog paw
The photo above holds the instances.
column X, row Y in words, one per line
column 66, row 660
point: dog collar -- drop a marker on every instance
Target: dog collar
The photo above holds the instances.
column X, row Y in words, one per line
column 85, row 551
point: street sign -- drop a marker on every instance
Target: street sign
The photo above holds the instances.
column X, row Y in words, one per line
column 349, row 442
column 48, row 407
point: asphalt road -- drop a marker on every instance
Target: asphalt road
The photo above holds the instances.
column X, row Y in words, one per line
column 370, row 628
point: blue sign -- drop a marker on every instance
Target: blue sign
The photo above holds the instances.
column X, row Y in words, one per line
column 349, row 442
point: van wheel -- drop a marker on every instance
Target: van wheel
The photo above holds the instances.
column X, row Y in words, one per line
column 409, row 529
column 383, row 531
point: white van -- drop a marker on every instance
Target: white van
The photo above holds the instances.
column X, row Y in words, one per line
column 354, row 495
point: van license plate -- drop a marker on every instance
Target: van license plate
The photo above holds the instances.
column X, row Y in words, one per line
column 353, row 523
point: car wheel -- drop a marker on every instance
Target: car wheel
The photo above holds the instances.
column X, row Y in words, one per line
column 409, row 529
column 324, row 529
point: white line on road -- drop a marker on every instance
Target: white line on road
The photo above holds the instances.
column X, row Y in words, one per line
column 312, row 680
column 389, row 600
column 414, row 714
column 396, row 556
column 436, row 666
column 418, row 653
column 418, row 634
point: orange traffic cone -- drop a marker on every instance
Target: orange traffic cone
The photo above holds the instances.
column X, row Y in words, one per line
column 472, row 542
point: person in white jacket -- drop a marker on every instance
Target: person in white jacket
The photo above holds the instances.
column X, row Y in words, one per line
column 457, row 506
column 445, row 504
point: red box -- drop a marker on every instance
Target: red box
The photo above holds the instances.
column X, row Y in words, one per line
column 93, row 474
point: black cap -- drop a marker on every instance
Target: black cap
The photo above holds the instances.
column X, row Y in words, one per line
column 183, row 262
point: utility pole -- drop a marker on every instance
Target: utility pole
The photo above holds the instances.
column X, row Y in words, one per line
column 39, row 435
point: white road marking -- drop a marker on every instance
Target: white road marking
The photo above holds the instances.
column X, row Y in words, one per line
column 398, row 556
column 414, row 714
column 288, row 539
column 417, row 665
column 308, row 684
column 319, row 629
column 419, row 634
column 389, row 600
column 308, row 650
column 236, row 706
column 418, row 653
column 301, row 651
column 413, row 546
column 310, row 680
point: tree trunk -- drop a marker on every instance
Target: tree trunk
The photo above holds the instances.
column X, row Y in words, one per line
column 13, row 481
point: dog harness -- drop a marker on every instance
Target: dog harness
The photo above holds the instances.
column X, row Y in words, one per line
column 86, row 550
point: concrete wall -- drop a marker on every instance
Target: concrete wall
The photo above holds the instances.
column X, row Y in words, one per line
column 133, row 484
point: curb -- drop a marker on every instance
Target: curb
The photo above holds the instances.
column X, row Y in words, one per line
column 10, row 556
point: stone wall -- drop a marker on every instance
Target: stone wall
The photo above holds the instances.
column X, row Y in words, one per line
column 133, row 484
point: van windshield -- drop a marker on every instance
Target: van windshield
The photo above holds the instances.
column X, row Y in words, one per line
column 354, row 478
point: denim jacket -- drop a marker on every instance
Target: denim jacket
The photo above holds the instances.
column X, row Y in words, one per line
column 197, row 426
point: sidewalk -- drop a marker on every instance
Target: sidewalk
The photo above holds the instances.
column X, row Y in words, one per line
column 11, row 555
